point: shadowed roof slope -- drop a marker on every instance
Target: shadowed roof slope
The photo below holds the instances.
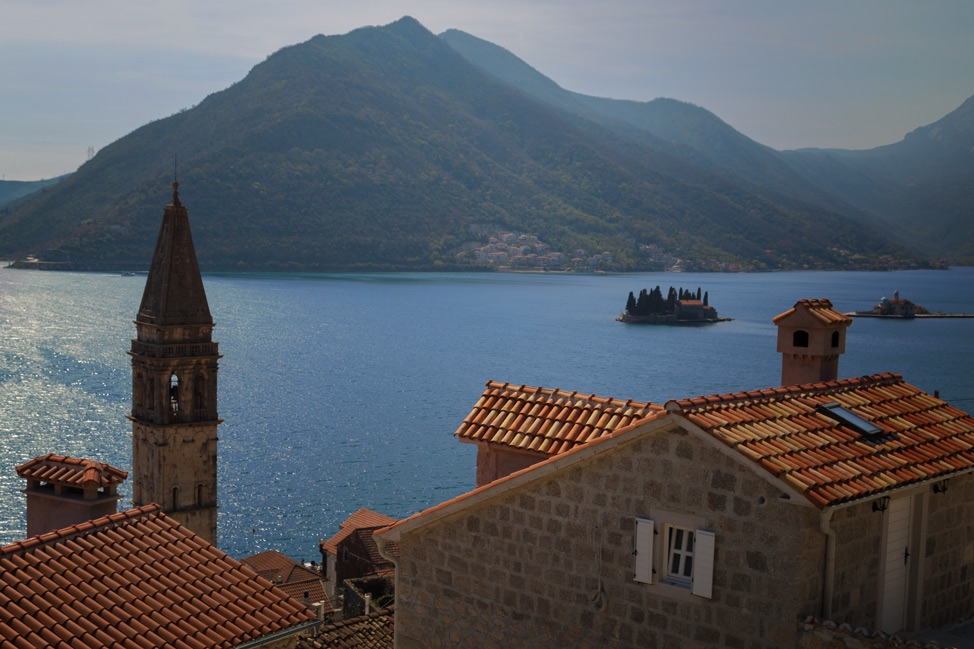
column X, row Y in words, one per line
column 545, row 420
column 288, row 575
column 363, row 519
column 132, row 580
column 71, row 471
column 174, row 289
column 372, row 631
column 820, row 456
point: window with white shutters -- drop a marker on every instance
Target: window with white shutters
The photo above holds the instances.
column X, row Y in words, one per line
column 670, row 552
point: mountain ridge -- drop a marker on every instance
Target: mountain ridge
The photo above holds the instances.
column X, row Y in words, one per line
column 384, row 148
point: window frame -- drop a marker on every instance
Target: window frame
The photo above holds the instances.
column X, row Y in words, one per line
column 653, row 552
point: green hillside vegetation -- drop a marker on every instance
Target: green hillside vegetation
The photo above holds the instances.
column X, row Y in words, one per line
column 385, row 149
column 11, row 190
column 920, row 191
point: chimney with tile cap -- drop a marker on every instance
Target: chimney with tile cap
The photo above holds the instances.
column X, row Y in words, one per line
column 811, row 337
column 63, row 491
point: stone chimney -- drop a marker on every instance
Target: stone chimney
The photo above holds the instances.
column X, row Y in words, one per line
column 811, row 336
column 63, row 491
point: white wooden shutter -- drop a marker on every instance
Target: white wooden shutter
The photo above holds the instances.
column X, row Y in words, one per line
column 703, row 564
column 642, row 559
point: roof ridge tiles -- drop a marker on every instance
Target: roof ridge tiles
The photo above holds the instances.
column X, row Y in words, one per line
column 769, row 394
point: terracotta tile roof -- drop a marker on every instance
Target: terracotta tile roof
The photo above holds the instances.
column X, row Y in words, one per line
column 372, row 631
column 653, row 422
column 365, row 538
column 362, row 519
column 71, row 471
column 288, row 575
column 781, row 429
column 132, row 580
column 820, row 309
column 545, row 420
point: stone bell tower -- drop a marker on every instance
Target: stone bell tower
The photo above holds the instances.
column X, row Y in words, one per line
column 811, row 337
column 174, row 369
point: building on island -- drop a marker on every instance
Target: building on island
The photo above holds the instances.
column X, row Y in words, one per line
column 174, row 389
column 767, row 518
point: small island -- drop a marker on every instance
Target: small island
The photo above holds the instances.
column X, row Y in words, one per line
column 902, row 309
column 678, row 307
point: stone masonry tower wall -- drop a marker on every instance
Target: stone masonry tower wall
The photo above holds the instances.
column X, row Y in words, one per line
column 174, row 384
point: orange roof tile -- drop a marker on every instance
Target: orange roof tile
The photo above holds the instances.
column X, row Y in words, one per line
column 820, row 309
column 361, row 520
column 545, row 420
column 372, row 631
column 825, row 459
column 288, row 575
column 71, row 471
column 131, row 580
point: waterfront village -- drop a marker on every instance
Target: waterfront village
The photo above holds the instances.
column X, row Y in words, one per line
column 822, row 513
column 516, row 251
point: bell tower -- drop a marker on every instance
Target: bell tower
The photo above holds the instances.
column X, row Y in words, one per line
column 174, row 369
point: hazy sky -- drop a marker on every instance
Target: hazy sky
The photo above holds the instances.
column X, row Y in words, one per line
column 827, row 73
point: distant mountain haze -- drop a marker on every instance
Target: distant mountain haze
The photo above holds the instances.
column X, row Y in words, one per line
column 919, row 191
column 389, row 148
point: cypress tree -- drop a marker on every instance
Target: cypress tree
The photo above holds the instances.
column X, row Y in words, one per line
column 705, row 300
column 631, row 304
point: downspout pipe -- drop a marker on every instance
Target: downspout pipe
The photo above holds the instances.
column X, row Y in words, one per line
column 825, row 525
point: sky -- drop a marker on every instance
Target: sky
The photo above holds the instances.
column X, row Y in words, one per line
column 76, row 76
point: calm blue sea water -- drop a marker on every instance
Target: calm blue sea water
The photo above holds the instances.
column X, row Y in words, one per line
column 342, row 391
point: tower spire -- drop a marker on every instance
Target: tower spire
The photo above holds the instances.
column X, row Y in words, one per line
column 174, row 369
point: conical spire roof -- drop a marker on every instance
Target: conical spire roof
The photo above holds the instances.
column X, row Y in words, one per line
column 174, row 289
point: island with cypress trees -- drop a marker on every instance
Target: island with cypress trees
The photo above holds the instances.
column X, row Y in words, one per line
column 678, row 307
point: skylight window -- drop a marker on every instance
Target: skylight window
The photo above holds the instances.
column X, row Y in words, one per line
column 850, row 419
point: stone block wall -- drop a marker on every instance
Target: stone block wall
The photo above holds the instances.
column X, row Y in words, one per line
column 522, row 569
column 856, row 581
column 948, row 562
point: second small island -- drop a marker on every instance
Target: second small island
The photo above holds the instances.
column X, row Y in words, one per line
column 678, row 307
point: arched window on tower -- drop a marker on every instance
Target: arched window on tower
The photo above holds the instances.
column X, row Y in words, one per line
column 175, row 498
column 174, row 393
column 199, row 495
column 835, row 338
column 800, row 339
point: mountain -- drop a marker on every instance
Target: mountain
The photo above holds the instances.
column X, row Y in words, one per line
column 687, row 131
column 11, row 190
column 386, row 149
column 920, row 191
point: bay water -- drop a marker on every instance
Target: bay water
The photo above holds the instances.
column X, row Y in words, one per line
column 342, row 391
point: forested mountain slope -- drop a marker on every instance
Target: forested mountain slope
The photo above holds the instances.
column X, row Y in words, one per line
column 384, row 148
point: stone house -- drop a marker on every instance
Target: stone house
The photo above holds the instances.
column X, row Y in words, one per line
column 352, row 552
column 716, row 521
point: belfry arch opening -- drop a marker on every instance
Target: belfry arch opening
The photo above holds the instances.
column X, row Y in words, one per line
column 800, row 338
column 174, row 393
